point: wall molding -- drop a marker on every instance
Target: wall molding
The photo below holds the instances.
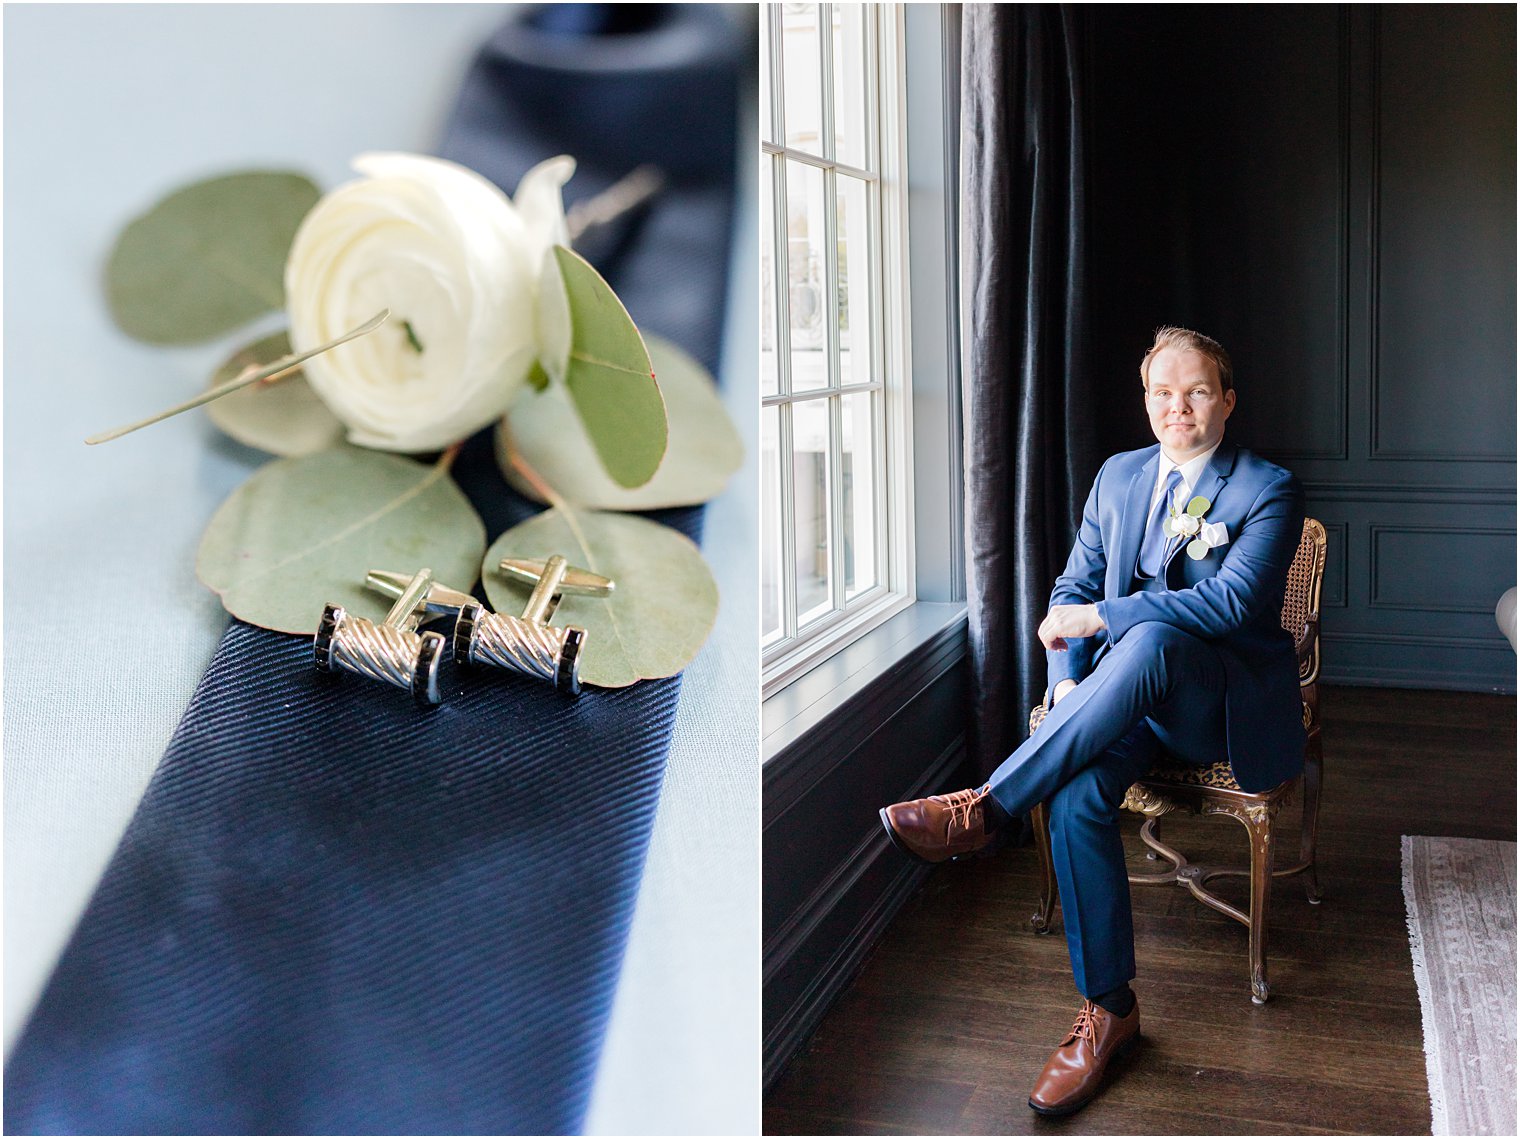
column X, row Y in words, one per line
column 791, row 1028
column 1498, row 642
column 1337, row 539
column 798, row 1023
column 1374, row 220
column 1379, row 455
column 1393, row 677
column 1376, row 530
column 783, row 942
column 1322, row 491
column 1342, row 262
column 1377, row 452
column 1471, row 665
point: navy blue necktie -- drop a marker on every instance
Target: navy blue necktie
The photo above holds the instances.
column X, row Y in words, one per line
column 1153, row 548
column 334, row 913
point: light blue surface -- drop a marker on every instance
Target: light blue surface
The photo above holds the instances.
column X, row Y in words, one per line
column 692, row 976
column 107, row 630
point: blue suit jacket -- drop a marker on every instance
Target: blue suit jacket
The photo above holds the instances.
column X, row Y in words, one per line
column 1231, row 598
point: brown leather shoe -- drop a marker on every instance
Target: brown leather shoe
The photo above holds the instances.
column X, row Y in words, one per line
column 1075, row 1070
column 941, row 827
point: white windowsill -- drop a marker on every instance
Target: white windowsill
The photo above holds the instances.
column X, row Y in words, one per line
column 827, row 638
column 827, row 686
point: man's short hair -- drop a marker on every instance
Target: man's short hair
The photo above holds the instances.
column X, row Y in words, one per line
column 1186, row 340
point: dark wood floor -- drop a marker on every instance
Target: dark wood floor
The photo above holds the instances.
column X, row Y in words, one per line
column 958, row 1007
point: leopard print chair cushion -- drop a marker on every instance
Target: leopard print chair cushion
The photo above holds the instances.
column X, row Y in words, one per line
column 1216, row 774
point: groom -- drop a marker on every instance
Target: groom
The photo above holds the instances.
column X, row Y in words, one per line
column 1163, row 635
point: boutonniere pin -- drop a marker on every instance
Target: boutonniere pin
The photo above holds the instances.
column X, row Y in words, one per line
column 1187, row 521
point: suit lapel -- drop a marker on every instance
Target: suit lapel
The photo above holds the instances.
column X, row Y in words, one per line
column 1137, row 508
column 1209, row 484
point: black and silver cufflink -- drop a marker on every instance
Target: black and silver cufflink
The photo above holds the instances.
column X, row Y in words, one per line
column 392, row 652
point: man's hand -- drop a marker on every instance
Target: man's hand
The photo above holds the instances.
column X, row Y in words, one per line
column 1065, row 621
column 1061, row 690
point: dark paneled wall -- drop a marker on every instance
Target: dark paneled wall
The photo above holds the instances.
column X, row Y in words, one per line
column 1330, row 191
column 832, row 881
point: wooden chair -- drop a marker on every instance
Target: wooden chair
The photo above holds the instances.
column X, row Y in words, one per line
column 1213, row 791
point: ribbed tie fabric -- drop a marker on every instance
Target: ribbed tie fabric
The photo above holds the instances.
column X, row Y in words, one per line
column 334, row 912
column 1153, row 548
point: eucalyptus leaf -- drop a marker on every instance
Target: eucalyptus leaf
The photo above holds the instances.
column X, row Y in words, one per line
column 1168, row 528
column 303, row 532
column 208, row 258
column 554, row 325
column 703, row 451
column 284, row 417
column 662, row 606
column 609, row 376
column 1198, row 549
column 1197, row 506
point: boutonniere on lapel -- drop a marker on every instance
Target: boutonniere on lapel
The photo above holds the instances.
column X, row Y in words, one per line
column 467, row 311
column 1187, row 521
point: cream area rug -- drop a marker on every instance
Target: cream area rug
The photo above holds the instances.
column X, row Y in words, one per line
column 1459, row 894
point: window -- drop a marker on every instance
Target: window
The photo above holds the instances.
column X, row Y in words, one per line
column 836, row 521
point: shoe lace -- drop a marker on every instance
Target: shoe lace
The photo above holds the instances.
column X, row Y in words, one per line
column 962, row 803
column 1086, row 1027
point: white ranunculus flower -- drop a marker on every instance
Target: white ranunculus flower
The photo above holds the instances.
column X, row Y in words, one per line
column 1186, row 524
column 459, row 266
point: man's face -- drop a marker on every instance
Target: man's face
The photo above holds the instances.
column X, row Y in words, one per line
column 1185, row 403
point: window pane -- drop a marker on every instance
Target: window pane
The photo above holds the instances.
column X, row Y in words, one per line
column 810, row 487
column 768, row 365
column 772, row 616
column 801, row 66
column 767, row 129
column 850, row 84
column 855, row 338
column 806, row 271
column 861, row 488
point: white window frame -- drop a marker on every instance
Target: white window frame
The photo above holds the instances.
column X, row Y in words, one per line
column 786, row 660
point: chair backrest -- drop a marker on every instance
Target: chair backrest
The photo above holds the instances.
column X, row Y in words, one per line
column 1300, row 611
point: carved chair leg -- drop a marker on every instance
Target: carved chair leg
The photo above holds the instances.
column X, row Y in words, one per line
column 1150, row 834
column 1041, row 919
column 1309, row 834
column 1258, row 822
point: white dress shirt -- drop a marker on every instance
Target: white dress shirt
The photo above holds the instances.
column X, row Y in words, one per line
column 1190, row 472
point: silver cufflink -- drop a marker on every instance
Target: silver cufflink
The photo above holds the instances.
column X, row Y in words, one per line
column 529, row 644
column 392, row 652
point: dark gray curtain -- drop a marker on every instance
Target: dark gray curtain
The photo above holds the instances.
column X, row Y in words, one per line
column 1030, row 435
